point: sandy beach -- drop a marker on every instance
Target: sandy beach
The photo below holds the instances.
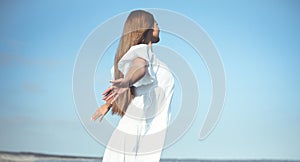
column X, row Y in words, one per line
column 38, row 157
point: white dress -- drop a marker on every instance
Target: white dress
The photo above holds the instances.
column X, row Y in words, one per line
column 140, row 134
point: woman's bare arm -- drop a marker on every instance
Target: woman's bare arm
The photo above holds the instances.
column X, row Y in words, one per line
column 135, row 73
column 119, row 86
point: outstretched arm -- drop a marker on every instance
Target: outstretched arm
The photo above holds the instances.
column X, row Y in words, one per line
column 135, row 73
column 119, row 86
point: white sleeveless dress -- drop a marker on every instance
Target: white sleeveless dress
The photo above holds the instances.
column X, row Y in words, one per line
column 140, row 134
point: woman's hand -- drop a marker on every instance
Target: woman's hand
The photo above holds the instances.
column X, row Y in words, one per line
column 118, row 87
column 102, row 110
column 135, row 73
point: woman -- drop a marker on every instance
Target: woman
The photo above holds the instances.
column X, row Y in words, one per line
column 141, row 93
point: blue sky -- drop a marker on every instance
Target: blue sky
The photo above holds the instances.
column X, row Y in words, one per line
column 258, row 42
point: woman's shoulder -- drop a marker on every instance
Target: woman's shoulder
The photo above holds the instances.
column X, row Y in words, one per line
column 138, row 47
column 140, row 50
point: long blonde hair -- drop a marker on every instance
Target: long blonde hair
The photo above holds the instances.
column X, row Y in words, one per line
column 137, row 29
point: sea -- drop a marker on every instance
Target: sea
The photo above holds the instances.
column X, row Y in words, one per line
column 40, row 157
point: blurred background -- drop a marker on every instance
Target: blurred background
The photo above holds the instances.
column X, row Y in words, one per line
column 258, row 42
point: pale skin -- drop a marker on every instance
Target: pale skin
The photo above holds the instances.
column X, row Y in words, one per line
column 119, row 86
